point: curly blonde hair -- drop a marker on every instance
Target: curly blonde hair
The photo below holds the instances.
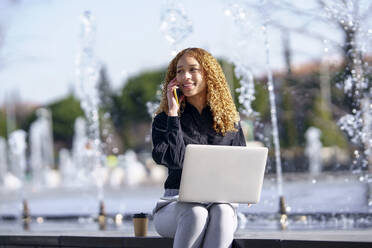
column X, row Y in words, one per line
column 219, row 98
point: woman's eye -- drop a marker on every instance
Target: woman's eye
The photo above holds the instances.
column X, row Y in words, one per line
column 179, row 71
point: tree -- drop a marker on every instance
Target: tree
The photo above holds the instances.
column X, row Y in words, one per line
column 322, row 119
column 64, row 113
column 2, row 124
column 104, row 89
column 350, row 18
column 129, row 110
column 111, row 142
column 287, row 116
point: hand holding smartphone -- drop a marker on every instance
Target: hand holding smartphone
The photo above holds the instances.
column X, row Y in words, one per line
column 177, row 94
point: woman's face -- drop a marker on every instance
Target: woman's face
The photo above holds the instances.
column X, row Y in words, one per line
column 190, row 76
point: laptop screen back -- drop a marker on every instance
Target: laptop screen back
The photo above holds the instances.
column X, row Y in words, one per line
column 214, row 173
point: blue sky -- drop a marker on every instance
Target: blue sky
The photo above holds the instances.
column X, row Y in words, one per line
column 41, row 42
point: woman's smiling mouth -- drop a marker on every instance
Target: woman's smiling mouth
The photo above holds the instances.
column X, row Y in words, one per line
column 188, row 85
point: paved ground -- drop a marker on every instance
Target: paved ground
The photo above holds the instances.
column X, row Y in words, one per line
column 355, row 235
column 362, row 235
column 339, row 235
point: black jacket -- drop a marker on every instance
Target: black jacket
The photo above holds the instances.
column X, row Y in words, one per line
column 170, row 135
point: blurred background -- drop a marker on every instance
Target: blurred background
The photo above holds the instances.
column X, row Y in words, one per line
column 80, row 81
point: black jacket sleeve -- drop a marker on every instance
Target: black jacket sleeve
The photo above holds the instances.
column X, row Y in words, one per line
column 239, row 139
column 168, row 145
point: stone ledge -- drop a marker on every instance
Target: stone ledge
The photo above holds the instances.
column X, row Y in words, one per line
column 10, row 241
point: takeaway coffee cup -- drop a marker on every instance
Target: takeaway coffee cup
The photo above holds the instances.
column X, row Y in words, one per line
column 140, row 222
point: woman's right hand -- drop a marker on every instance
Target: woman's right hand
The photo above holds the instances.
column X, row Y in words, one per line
column 172, row 103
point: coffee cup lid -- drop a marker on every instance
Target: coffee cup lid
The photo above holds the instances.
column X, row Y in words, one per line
column 140, row 215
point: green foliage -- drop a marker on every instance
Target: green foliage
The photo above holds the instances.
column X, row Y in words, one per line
column 2, row 124
column 337, row 91
column 228, row 70
column 289, row 134
column 64, row 113
column 261, row 104
column 28, row 121
column 322, row 119
column 129, row 107
column 104, row 90
column 137, row 92
column 302, row 90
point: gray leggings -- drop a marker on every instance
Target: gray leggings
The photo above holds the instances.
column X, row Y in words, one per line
column 192, row 224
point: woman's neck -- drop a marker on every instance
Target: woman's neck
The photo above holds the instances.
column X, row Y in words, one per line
column 198, row 101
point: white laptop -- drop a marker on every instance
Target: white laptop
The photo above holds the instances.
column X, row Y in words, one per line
column 213, row 173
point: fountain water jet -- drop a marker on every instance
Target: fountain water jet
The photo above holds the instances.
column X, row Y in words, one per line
column 356, row 85
column 17, row 154
column 274, row 119
column 175, row 24
column 79, row 144
column 246, row 90
column 66, row 168
column 313, row 150
column 355, row 82
column 87, row 75
column 17, row 151
column 3, row 161
column 238, row 10
column 41, row 144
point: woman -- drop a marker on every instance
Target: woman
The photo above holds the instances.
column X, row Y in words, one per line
column 206, row 115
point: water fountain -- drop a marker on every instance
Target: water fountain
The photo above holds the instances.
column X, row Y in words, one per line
column 153, row 106
column 134, row 170
column 238, row 11
column 17, row 155
column 66, row 168
column 355, row 82
column 87, row 77
column 74, row 166
column 250, row 121
column 3, row 161
column 250, row 118
column 175, row 24
column 80, row 151
column 356, row 125
column 41, row 152
column 356, row 85
column 247, row 91
column 313, row 151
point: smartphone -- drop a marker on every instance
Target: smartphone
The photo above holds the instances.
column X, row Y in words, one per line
column 177, row 94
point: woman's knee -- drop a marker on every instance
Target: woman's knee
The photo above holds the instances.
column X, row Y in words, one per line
column 222, row 211
column 194, row 215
